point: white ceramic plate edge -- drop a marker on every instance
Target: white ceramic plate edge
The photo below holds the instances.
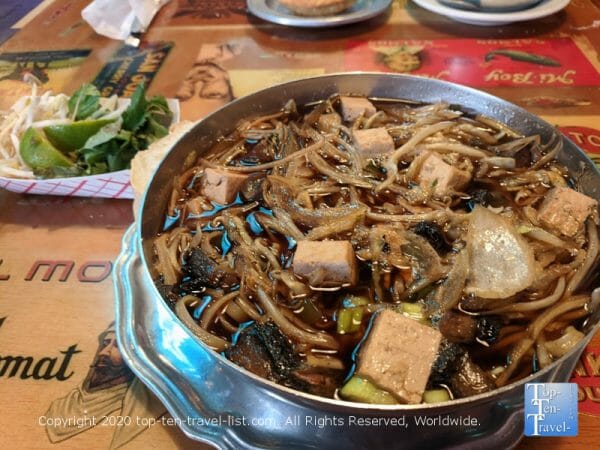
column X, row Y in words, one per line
column 543, row 9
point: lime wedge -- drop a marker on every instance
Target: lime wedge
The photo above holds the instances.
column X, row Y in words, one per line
column 74, row 135
column 38, row 153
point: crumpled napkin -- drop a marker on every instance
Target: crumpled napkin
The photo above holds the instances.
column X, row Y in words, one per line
column 117, row 19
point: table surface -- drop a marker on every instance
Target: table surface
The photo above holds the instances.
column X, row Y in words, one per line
column 56, row 326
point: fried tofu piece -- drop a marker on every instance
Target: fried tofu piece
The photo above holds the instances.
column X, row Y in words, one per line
column 353, row 107
column 440, row 176
column 565, row 210
column 398, row 355
column 373, row 142
column 326, row 263
column 222, row 186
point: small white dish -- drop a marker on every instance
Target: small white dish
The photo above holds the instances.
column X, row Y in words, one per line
column 542, row 9
column 272, row 11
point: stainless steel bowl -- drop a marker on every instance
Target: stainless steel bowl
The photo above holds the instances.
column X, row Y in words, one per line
column 216, row 401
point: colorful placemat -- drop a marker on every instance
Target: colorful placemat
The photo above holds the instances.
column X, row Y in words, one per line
column 131, row 66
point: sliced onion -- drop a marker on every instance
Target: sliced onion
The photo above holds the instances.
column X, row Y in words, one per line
column 450, row 291
column 501, row 262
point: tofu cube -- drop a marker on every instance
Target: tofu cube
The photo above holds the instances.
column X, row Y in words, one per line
column 334, row 259
column 222, row 186
column 436, row 174
column 353, row 107
column 373, row 142
column 398, row 355
column 565, row 210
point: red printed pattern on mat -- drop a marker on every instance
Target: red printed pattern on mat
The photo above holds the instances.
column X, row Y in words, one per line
column 587, row 377
column 479, row 63
column 586, row 138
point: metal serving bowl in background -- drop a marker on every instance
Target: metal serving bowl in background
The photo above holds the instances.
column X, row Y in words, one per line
column 197, row 384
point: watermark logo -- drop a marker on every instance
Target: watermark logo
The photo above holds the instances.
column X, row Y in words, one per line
column 551, row 409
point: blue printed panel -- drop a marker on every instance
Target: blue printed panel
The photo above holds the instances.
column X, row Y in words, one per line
column 551, row 409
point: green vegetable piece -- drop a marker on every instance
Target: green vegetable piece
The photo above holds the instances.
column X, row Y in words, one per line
column 39, row 154
column 84, row 102
column 73, row 136
column 159, row 112
column 414, row 311
column 355, row 300
column 357, row 315
column 135, row 114
column 361, row 390
column 114, row 145
column 436, row 396
column 349, row 320
column 344, row 320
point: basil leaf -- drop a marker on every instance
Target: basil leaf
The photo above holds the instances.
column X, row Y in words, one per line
column 105, row 134
column 113, row 147
column 159, row 111
column 84, row 102
column 135, row 114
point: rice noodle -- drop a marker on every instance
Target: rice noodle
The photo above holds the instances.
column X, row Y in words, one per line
column 318, row 339
column 535, row 329
column 566, row 342
column 215, row 342
column 435, row 216
column 478, row 132
column 466, row 150
column 591, row 256
column 247, row 308
column 547, row 237
column 214, row 308
column 269, row 165
column 533, row 305
column 550, row 155
column 343, row 178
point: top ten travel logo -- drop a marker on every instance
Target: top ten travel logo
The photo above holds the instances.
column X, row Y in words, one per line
column 551, row 409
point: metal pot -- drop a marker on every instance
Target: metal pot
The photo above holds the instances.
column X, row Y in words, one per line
column 215, row 401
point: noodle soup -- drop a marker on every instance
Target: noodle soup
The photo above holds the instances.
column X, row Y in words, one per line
column 381, row 251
